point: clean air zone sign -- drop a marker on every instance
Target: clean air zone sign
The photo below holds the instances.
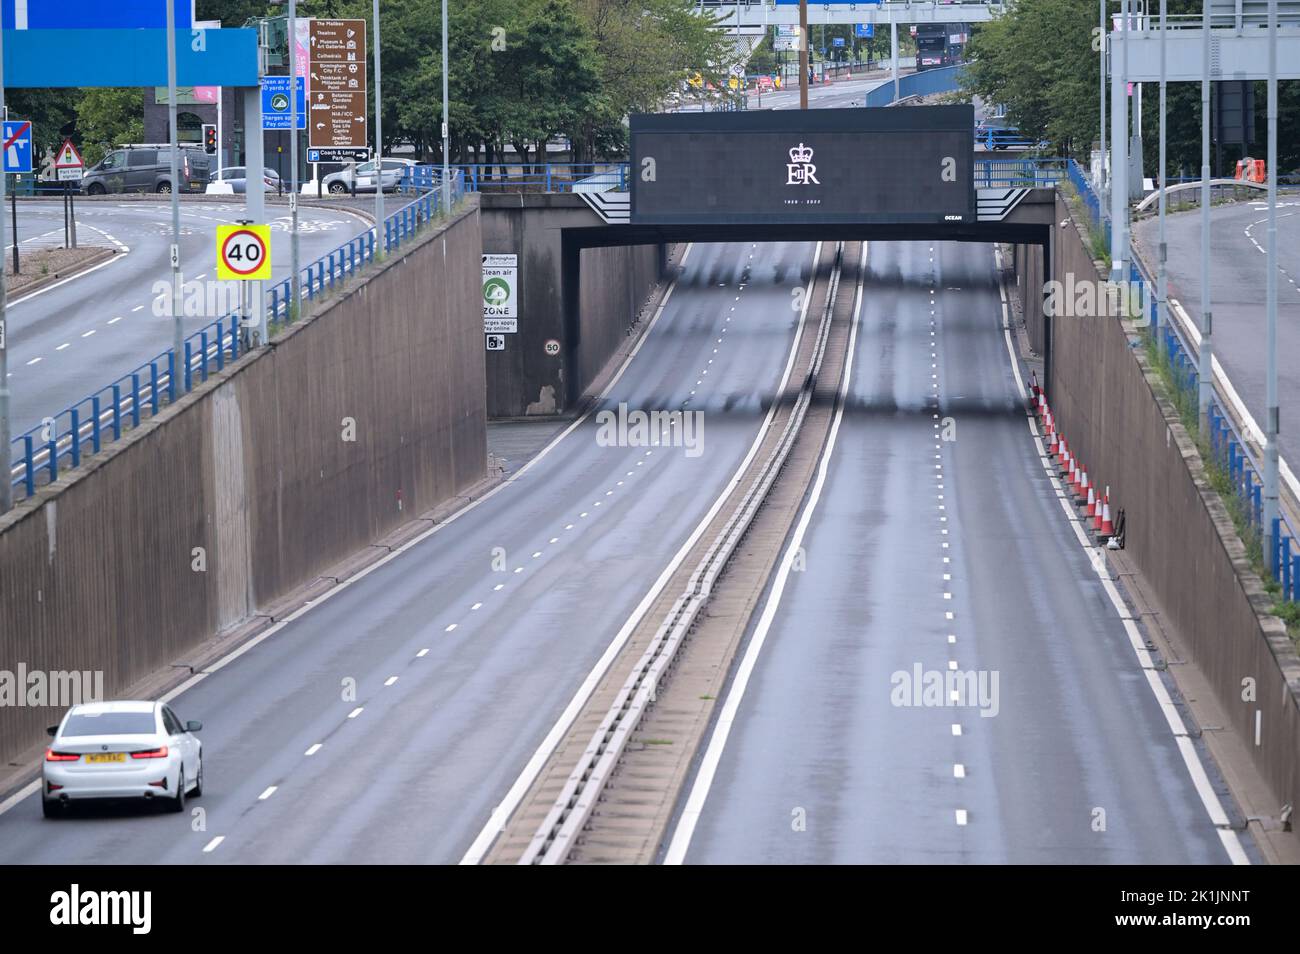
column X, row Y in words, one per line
column 500, row 294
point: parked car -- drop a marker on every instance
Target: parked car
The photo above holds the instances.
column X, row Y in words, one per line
column 135, row 750
column 147, row 168
column 362, row 178
column 236, row 177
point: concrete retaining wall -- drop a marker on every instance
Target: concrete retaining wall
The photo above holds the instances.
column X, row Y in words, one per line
column 584, row 298
column 1178, row 531
column 1029, row 290
column 289, row 461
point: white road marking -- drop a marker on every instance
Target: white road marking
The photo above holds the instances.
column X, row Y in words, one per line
column 956, row 728
column 422, row 653
column 501, row 813
column 137, row 308
column 452, row 626
column 270, row 790
column 958, row 770
column 33, row 361
column 699, row 793
column 212, row 845
column 1191, row 759
column 87, row 334
column 66, row 344
column 390, row 680
column 961, row 816
column 313, row 750
column 356, row 712
column 113, row 321
column 476, row 606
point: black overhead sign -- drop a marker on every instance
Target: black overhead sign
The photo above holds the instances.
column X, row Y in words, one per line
column 901, row 164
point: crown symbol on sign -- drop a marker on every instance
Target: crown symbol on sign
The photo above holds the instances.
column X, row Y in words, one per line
column 801, row 153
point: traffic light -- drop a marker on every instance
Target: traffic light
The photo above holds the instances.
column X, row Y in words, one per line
column 210, row 137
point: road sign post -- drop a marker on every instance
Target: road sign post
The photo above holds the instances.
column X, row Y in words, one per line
column 6, row 474
column 244, row 255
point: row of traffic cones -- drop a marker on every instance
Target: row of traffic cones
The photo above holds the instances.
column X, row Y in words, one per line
column 1094, row 504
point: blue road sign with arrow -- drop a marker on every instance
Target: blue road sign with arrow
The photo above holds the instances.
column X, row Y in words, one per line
column 18, row 145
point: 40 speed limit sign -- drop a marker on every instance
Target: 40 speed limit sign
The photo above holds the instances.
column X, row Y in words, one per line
column 243, row 252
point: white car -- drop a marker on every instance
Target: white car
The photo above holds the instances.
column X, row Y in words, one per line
column 121, row 750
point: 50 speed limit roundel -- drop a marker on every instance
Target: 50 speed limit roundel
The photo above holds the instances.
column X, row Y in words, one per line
column 243, row 252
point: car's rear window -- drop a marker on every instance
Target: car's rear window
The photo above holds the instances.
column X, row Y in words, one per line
column 111, row 723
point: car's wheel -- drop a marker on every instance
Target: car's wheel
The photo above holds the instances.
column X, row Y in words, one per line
column 51, row 808
column 198, row 781
column 95, row 189
column 177, row 804
column 164, row 188
column 337, row 188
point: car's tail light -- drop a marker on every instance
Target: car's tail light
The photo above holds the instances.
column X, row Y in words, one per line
column 151, row 754
column 52, row 756
column 269, row 183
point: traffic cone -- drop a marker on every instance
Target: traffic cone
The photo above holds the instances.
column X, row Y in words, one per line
column 1091, row 512
column 1107, row 529
column 1072, row 473
column 1081, row 488
column 1054, row 441
column 1101, row 502
column 1063, row 454
column 1075, row 479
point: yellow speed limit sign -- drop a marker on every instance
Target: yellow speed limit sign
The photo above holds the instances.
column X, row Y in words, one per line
column 243, row 252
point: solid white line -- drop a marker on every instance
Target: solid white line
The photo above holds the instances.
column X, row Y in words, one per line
column 64, row 281
column 501, row 814
column 690, row 817
column 1191, row 758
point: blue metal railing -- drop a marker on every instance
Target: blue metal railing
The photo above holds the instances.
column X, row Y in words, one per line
column 1226, row 442
column 59, row 442
column 517, row 177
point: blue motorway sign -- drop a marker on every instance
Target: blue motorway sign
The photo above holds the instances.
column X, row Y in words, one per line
column 837, row 41
column 275, row 103
column 864, row 31
column 92, row 15
column 17, row 145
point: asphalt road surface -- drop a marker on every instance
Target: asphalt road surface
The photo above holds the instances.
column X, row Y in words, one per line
column 924, row 552
column 1238, row 271
column 463, row 656
column 72, row 338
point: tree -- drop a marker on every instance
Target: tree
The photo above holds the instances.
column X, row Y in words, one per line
column 106, row 117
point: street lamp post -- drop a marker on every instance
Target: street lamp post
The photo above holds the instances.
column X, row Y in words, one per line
column 178, row 331
column 6, row 473
column 295, row 291
column 1162, row 279
column 446, row 129
column 1205, row 363
column 1271, row 411
column 379, row 136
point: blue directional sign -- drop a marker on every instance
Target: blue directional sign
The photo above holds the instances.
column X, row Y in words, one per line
column 864, row 31
column 92, row 15
column 17, row 145
column 275, row 103
column 837, row 41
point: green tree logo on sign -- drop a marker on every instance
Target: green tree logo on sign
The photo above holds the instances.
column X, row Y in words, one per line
column 496, row 292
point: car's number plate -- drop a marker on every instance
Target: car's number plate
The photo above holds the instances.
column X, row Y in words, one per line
column 106, row 757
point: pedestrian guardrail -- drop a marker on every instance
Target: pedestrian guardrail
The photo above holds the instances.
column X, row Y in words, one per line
column 516, row 176
column 57, row 444
column 1237, row 455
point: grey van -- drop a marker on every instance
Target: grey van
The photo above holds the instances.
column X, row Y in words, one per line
column 147, row 168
